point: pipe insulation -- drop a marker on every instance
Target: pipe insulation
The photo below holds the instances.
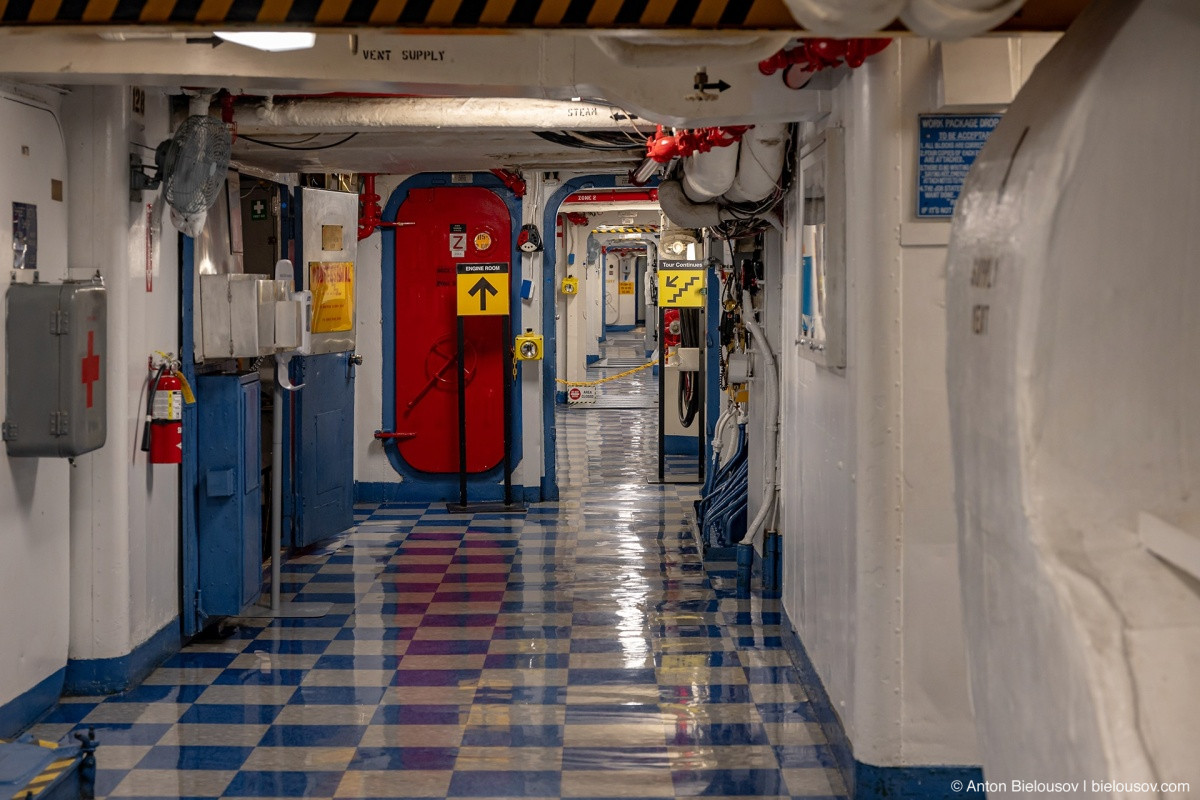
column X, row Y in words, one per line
column 956, row 19
column 383, row 114
column 707, row 176
column 936, row 19
column 682, row 211
column 770, row 377
column 760, row 163
column 688, row 49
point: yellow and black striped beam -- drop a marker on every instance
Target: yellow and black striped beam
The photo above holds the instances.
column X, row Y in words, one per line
column 626, row 229
column 459, row 14
column 441, row 14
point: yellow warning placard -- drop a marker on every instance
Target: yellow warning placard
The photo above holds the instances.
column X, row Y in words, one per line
column 681, row 285
column 483, row 289
column 625, row 287
column 332, row 287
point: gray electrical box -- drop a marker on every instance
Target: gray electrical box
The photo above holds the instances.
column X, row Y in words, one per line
column 56, row 365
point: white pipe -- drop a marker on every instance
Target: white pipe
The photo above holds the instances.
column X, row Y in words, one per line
column 843, row 18
column 760, row 163
column 771, row 377
column 936, row 19
column 383, row 114
column 707, row 176
column 957, row 19
column 689, row 48
column 682, row 211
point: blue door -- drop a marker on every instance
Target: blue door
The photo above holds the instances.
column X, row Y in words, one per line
column 322, row 447
column 229, row 511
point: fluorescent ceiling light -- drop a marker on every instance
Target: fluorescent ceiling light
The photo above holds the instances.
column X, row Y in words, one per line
column 271, row 41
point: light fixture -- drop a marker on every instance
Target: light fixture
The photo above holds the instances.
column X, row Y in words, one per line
column 271, row 41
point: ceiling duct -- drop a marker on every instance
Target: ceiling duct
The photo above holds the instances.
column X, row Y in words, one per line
column 936, row 19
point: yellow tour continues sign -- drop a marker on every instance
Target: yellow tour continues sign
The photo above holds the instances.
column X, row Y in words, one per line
column 681, row 284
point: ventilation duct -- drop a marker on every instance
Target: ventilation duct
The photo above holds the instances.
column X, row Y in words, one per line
column 682, row 211
column 956, row 19
column 936, row 19
column 383, row 114
column 760, row 163
column 707, row 176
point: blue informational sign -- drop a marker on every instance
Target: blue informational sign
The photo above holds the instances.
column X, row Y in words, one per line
column 947, row 149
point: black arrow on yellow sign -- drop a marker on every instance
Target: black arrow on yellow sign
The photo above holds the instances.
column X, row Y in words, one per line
column 672, row 281
column 483, row 288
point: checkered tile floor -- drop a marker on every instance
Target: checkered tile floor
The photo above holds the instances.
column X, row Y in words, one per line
column 579, row 650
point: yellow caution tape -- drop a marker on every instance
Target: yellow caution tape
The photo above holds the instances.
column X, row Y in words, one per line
column 619, row 375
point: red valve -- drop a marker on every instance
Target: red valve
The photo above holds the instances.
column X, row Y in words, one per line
column 511, row 180
column 813, row 55
column 662, row 147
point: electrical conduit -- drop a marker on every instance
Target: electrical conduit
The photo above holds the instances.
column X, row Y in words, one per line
column 771, row 377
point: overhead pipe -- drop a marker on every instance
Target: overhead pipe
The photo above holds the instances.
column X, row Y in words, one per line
column 682, row 211
column 936, row 19
column 371, row 216
column 664, row 147
column 642, row 173
column 845, row 17
column 683, row 49
column 384, row 114
column 512, row 181
column 956, row 19
column 707, row 176
column 760, row 163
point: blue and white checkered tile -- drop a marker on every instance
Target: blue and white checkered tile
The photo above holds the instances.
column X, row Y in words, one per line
column 580, row 650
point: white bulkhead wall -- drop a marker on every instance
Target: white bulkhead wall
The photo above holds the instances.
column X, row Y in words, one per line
column 124, row 512
column 371, row 464
column 574, row 310
column 34, row 534
column 869, row 526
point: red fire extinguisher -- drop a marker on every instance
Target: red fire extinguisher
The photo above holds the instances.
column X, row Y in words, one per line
column 162, row 436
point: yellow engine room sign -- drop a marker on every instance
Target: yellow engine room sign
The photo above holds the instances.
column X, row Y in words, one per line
column 681, row 285
column 483, row 289
column 332, row 287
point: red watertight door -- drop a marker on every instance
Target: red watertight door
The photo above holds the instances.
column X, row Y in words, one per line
column 452, row 226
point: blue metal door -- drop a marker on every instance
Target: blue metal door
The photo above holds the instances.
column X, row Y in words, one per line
column 229, row 499
column 323, row 447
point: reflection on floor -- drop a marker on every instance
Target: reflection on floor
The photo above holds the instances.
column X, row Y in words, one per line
column 579, row 650
column 621, row 352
